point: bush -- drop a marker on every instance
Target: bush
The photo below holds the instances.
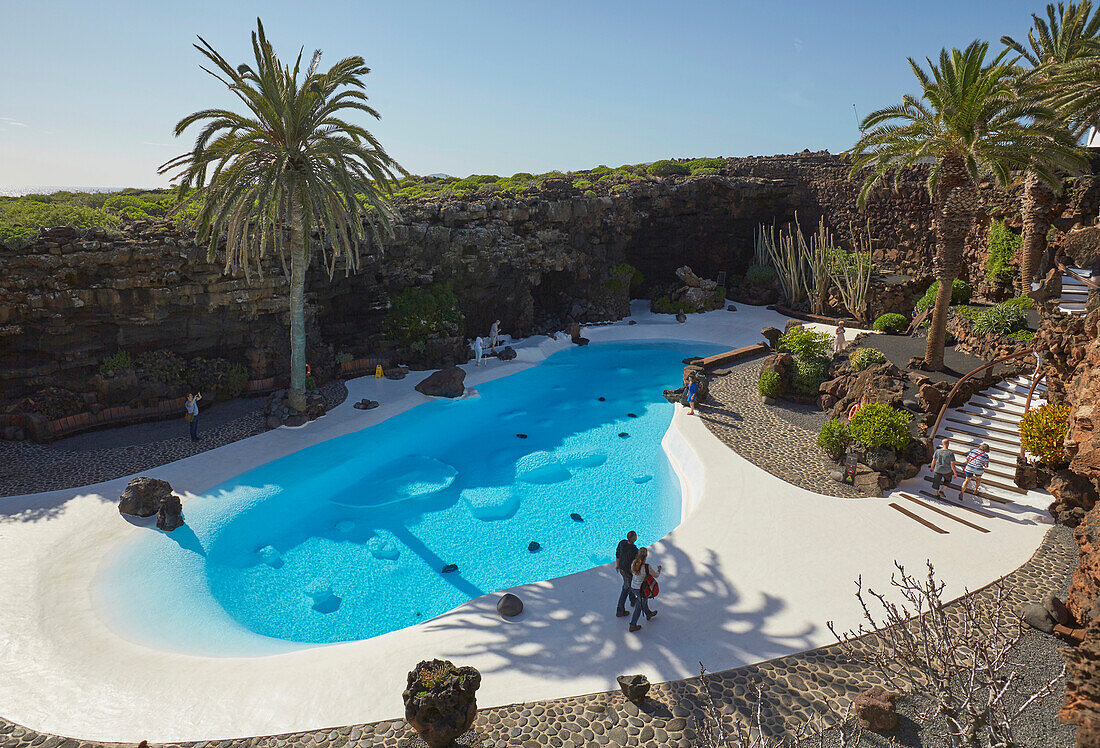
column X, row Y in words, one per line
column 760, row 275
column 808, row 375
column 1000, row 320
column 234, row 383
column 1020, row 302
column 164, row 367
column 1043, row 430
column 1022, row 335
column 344, row 358
column 891, row 323
column 834, row 438
column 878, row 425
column 770, row 384
column 861, row 358
column 205, row 374
column 804, row 343
column 1003, row 245
column 697, row 164
column 705, row 171
column 665, row 305
column 667, row 169
column 421, row 313
column 115, row 364
column 624, row 276
column 311, row 383
column 960, row 294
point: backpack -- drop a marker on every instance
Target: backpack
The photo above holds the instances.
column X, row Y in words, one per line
column 650, row 588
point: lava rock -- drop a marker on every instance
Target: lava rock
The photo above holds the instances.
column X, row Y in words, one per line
column 731, row 308
column 170, row 513
column 365, row 404
column 576, row 517
column 296, row 419
column 443, row 710
column 602, row 399
column 580, row 341
column 632, row 415
column 681, row 317
column 632, row 322
column 509, row 606
column 1037, row 617
column 143, row 496
column 521, row 436
column 449, row 568
column 1058, row 610
column 507, row 353
column 634, row 687
column 876, row 709
column 772, row 336
column 12, row 434
column 534, row 546
column 444, row 383
column 623, row 435
column 397, row 372
column 791, row 324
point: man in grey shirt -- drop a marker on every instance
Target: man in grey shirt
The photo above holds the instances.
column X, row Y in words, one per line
column 943, row 467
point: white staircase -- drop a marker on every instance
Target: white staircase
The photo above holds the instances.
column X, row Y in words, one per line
column 1074, row 292
column 991, row 417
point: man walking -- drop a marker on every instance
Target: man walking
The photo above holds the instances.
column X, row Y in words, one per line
column 624, row 557
column 977, row 460
column 943, row 468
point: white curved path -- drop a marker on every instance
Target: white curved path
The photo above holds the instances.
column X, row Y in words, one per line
column 754, row 572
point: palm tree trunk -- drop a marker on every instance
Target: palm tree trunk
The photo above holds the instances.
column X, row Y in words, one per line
column 956, row 202
column 299, row 259
column 1037, row 209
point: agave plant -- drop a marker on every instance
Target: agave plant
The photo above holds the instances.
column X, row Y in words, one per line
column 289, row 167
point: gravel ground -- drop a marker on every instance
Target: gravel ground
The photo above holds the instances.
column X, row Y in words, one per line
column 26, row 467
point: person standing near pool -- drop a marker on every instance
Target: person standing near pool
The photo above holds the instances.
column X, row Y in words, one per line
column 191, row 414
column 479, row 350
column 624, row 557
column 494, row 336
column 977, row 460
column 692, row 395
column 639, row 571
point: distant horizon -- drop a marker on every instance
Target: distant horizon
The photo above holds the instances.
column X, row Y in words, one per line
column 479, row 87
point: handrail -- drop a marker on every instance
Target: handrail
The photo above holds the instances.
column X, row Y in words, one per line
column 1062, row 266
column 954, row 391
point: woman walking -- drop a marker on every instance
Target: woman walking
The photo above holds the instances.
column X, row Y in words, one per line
column 479, row 350
column 640, row 571
column 191, row 414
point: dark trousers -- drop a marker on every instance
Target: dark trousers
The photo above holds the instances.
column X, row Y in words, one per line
column 941, row 479
column 194, row 429
column 626, row 592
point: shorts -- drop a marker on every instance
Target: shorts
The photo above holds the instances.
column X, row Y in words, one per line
column 972, row 474
column 941, row 479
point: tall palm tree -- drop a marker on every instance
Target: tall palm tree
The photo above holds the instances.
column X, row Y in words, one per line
column 289, row 167
column 967, row 122
column 1069, row 32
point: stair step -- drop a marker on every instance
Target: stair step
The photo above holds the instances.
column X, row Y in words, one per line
column 995, row 429
column 957, row 505
column 1012, row 419
column 920, row 519
column 994, row 484
column 939, row 511
column 986, row 437
column 1010, row 455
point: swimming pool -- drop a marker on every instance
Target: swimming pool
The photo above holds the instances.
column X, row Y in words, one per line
column 537, row 476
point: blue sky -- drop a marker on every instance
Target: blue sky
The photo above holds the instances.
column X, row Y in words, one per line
column 91, row 90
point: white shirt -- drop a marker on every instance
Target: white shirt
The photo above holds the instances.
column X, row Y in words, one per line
column 637, row 579
column 494, row 330
column 478, row 343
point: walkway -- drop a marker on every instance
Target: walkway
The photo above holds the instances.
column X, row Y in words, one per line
column 753, row 573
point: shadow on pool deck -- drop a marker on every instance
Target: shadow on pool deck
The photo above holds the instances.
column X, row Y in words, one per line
column 567, row 631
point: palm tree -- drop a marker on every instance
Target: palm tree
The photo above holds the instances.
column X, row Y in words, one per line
column 1067, row 33
column 966, row 122
column 290, row 167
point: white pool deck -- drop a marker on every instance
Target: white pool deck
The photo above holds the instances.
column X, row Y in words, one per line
column 754, row 572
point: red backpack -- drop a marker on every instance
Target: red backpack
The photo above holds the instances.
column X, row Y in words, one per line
column 650, row 588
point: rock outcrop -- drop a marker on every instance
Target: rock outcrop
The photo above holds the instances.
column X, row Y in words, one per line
column 143, row 496
column 440, row 702
column 444, row 383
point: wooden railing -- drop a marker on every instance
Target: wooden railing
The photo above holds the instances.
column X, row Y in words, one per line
column 958, row 385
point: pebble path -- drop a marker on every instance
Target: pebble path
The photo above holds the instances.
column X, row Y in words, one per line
column 27, row 467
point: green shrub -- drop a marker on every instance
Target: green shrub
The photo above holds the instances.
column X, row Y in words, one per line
column 705, row 171
column 1003, row 245
column 834, row 438
column 234, row 383
column 1043, row 432
column 706, row 163
column 419, row 313
column 878, row 425
column 583, row 184
column 624, row 276
column 960, row 294
column 344, row 358
column 861, row 358
column 311, row 383
column 969, row 312
column 117, row 363
column 760, row 275
column 665, row 305
column 1000, row 320
column 667, row 169
column 804, row 343
column 770, row 384
column 891, row 323
column 1020, row 302
column 206, row 374
column 808, row 374
column 164, row 367
column 589, row 193
column 1023, row 335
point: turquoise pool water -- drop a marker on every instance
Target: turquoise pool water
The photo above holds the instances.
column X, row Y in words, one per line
column 348, row 539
